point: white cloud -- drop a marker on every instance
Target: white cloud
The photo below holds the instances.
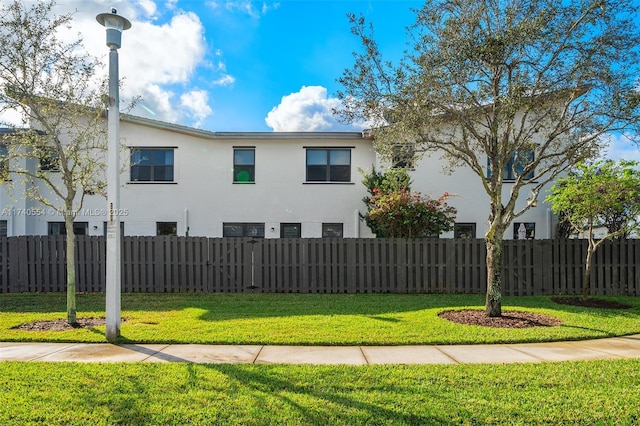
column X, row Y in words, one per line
column 621, row 147
column 163, row 54
column 149, row 7
column 225, row 80
column 308, row 110
column 170, row 4
column 254, row 9
column 197, row 102
column 157, row 61
column 157, row 102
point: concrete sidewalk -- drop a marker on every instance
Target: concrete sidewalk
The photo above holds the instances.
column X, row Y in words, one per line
column 610, row 348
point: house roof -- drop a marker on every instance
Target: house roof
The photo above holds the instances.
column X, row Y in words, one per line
column 14, row 130
column 7, row 131
column 191, row 131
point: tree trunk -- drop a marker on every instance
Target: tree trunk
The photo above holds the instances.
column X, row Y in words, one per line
column 493, row 304
column 586, row 279
column 71, row 268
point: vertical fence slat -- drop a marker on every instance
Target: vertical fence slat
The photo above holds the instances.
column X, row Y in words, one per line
column 4, row 266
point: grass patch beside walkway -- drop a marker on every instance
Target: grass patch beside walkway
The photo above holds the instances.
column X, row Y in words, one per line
column 596, row 392
column 307, row 319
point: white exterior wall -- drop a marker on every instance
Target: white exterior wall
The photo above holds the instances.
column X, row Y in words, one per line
column 203, row 196
column 471, row 200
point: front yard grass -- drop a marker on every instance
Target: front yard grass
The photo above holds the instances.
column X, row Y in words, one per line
column 585, row 393
column 594, row 392
column 307, row 319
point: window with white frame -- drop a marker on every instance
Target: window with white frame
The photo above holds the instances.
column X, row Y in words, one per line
column 152, row 165
column 328, row 165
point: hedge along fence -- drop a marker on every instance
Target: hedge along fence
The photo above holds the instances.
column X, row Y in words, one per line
column 364, row 265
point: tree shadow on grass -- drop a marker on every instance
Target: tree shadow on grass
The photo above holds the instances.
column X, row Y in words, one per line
column 320, row 404
column 238, row 394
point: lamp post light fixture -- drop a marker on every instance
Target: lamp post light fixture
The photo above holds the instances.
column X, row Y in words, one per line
column 114, row 24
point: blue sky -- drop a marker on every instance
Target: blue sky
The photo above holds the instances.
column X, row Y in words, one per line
column 239, row 65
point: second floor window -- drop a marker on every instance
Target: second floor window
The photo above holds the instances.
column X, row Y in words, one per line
column 328, row 165
column 49, row 160
column 515, row 166
column 152, row 165
column 403, row 157
column 4, row 162
column 244, row 165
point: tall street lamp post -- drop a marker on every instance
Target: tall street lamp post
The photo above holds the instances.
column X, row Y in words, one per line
column 114, row 24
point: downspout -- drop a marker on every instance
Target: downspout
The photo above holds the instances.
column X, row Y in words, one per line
column 186, row 222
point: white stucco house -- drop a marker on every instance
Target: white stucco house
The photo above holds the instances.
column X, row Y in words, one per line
column 187, row 181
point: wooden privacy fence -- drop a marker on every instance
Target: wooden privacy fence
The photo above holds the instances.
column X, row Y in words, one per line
column 365, row 265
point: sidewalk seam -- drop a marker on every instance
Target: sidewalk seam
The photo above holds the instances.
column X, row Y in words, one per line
column 610, row 355
column 447, row 355
column 515, row 348
column 366, row 360
column 71, row 345
column 253, row 361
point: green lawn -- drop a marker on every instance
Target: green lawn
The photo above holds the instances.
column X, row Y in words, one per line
column 584, row 393
column 307, row 319
column 596, row 392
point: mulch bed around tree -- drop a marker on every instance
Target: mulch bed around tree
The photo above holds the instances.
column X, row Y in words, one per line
column 590, row 303
column 510, row 319
column 60, row 324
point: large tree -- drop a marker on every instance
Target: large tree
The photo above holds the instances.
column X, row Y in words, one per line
column 515, row 90
column 52, row 83
column 590, row 196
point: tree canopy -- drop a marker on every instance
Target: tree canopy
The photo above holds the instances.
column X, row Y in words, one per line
column 514, row 90
column 53, row 84
column 591, row 195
